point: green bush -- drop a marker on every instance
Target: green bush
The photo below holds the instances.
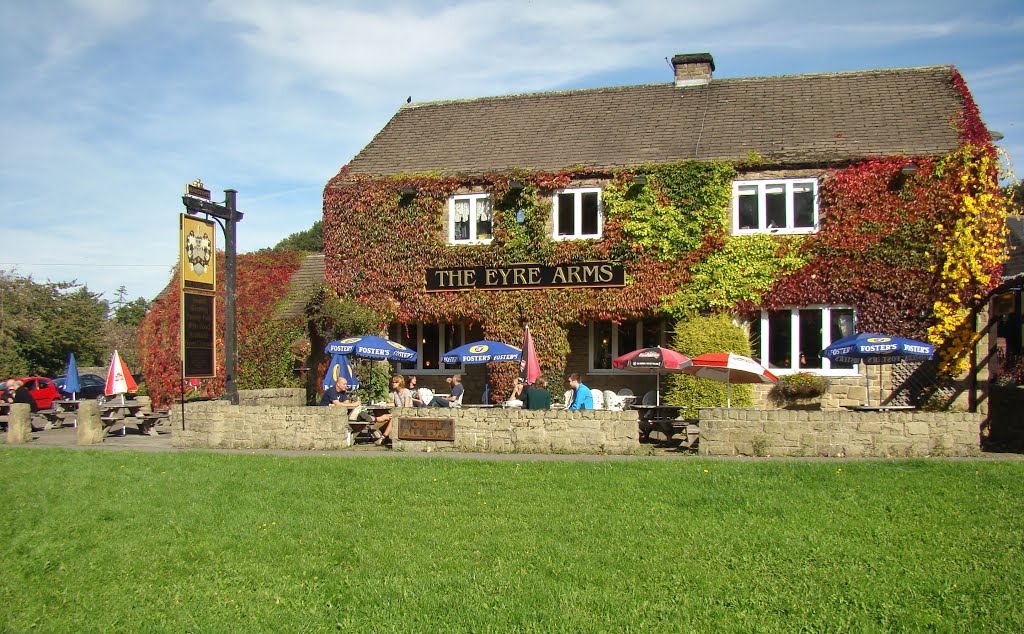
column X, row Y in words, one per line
column 697, row 336
column 796, row 386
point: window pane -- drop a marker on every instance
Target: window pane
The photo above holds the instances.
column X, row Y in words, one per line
column 754, row 335
column 431, row 351
column 566, row 214
column 589, row 222
column 780, row 336
column 405, row 334
column 460, row 219
column 651, row 334
column 627, row 338
column 803, row 205
column 602, row 345
column 454, row 337
column 484, row 213
column 775, row 201
column 810, row 338
column 841, row 327
column 748, row 206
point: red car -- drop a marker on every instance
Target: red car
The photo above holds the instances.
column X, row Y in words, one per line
column 42, row 390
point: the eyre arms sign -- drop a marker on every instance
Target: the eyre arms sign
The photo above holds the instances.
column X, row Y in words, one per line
column 520, row 276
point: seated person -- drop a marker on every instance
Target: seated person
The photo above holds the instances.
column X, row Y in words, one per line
column 18, row 393
column 417, row 399
column 537, row 396
column 582, row 398
column 400, row 397
column 338, row 395
column 455, row 381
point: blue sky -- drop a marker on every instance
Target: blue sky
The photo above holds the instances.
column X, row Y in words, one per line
column 109, row 107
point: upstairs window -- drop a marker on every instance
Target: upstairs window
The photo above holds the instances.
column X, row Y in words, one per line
column 577, row 214
column 470, row 218
column 775, row 206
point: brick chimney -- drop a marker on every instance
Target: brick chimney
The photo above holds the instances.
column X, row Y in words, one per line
column 693, row 69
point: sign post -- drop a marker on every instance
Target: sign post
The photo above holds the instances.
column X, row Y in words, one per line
column 197, row 201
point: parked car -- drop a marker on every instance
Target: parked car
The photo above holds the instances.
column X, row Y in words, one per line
column 90, row 385
column 42, row 390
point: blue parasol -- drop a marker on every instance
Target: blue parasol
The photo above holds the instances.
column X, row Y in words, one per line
column 371, row 347
column 338, row 368
column 482, row 352
column 875, row 349
column 72, row 383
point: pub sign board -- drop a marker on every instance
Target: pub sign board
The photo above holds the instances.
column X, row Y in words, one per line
column 526, row 276
column 197, row 335
column 426, row 429
column 198, row 253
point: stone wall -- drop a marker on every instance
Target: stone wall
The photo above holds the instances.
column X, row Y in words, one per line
column 526, row 431
column 218, row 424
column 283, row 396
column 752, row 432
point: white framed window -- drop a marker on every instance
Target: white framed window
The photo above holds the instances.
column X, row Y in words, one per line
column 470, row 218
column 775, row 206
column 609, row 340
column 577, row 214
column 791, row 339
column 430, row 341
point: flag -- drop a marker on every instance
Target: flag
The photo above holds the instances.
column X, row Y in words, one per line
column 119, row 380
column 338, row 368
column 529, row 367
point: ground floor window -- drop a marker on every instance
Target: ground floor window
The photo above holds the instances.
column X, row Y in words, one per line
column 430, row 341
column 609, row 340
column 791, row 339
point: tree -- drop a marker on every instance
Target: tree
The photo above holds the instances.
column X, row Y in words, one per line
column 131, row 313
column 1015, row 194
column 311, row 239
column 40, row 324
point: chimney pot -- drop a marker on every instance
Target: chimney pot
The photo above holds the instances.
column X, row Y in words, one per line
column 693, row 69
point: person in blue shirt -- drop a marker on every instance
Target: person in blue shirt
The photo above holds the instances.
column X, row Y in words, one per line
column 582, row 398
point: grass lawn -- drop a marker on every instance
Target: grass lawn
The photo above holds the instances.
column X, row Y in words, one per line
column 203, row 542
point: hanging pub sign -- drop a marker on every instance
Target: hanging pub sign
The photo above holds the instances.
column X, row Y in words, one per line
column 526, row 276
column 198, row 254
column 198, row 260
column 198, row 352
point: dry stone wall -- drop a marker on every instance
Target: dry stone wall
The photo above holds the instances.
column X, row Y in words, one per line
column 218, row 424
column 753, row 432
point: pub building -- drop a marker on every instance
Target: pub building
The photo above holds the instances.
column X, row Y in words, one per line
column 589, row 215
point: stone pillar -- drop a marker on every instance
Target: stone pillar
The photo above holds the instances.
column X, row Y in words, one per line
column 19, row 426
column 90, row 428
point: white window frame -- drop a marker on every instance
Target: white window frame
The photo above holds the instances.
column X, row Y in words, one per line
column 762, row 206
column 443, row 343
column 616, row 353
column 578, row 215
column 473, row 199
column 794, row 341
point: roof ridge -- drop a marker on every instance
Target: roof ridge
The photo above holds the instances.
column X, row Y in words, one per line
column 718, row 80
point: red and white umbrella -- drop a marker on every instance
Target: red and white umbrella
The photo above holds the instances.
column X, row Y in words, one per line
column 729, row 368
column 119, row 379
column 655, row 360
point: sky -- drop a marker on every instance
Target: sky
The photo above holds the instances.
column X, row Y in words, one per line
column 109, row 107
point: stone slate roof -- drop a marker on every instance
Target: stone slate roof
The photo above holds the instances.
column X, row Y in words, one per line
column 306, row 279
column 809, row 119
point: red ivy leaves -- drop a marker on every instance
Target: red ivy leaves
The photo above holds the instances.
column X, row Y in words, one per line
column 262, row 280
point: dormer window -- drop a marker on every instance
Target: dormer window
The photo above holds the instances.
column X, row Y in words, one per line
column 775, row 206
column 470, row 218
column 577, row 214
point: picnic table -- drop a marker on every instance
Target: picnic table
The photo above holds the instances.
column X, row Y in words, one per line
column 667, row 420
column 112, row 412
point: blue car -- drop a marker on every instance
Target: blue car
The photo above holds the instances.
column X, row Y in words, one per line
column 91, row 386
